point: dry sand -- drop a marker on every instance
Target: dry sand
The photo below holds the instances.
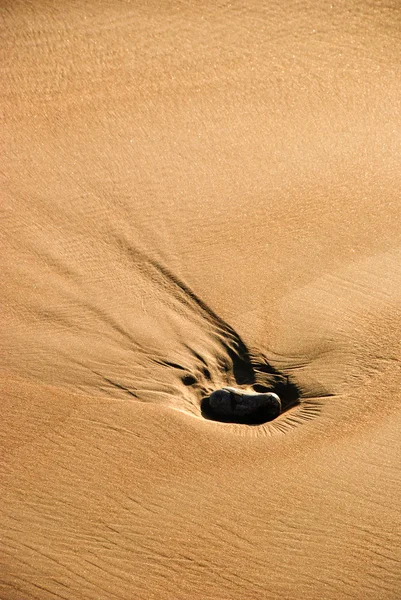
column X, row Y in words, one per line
column 184, row 183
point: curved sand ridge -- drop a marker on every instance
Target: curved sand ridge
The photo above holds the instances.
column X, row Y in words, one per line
column 200, row 196
column 181, row 351
column 178, row 352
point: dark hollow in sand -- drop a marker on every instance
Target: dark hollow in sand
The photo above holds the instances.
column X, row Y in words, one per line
column 234, row 406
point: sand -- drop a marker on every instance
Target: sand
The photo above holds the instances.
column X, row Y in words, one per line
column 195, row 195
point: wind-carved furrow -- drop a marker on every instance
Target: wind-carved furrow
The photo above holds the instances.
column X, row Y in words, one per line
column 117, row 385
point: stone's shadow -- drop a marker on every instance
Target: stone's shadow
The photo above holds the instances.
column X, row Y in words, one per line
column 250, row 370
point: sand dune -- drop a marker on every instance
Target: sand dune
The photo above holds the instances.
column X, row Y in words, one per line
column 197, row 196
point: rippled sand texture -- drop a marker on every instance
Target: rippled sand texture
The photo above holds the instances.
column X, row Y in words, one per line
column 199, row 195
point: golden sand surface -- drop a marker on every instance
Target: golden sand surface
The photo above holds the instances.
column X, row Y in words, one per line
column 191, row 189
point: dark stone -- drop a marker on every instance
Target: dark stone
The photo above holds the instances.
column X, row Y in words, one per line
column 234, row 406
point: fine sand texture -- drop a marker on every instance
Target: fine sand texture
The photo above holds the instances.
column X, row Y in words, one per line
column 198, row 195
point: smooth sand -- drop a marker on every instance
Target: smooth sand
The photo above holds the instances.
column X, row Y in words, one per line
column 178, row 177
